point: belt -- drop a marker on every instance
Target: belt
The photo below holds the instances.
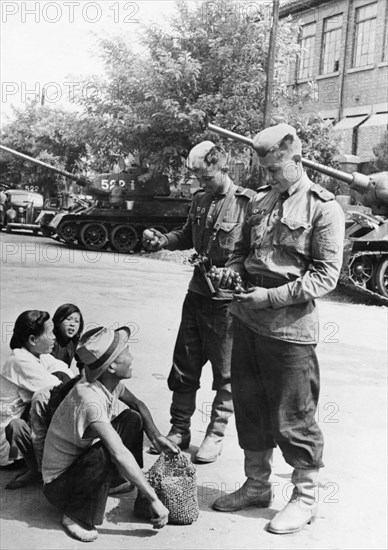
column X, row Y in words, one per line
column 266, row 282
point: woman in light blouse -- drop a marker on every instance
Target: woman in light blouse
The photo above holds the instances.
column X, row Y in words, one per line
column 29, row 368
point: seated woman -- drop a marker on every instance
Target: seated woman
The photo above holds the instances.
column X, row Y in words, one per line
column 29, row 368
column 68, row 327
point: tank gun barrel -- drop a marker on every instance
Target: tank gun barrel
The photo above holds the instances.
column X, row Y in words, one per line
column 80, row 180
column 231, row 135
column 357, row 181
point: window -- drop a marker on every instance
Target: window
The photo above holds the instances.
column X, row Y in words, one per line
column 331, row 44
column 306, row 60
column 364, row 36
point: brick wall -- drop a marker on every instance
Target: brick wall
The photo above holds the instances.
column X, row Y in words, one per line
column 368, row 136
column 364, row 88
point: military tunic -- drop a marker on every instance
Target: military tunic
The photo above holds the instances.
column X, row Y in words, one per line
column 291, row 245
column 294, row 247
column 198, row 230
column 205, row 332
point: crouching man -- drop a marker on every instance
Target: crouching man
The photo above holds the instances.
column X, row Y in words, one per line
column 86, row 453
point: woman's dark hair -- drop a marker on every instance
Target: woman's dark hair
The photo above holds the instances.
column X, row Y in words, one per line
column 61, row 314
column 29, row 323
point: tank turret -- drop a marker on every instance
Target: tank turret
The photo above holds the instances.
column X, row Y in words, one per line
column 366, row 238
column 147, row 201
column 100, row 185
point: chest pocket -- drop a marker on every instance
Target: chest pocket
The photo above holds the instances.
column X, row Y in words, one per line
column 294, row 234
column 228, row 234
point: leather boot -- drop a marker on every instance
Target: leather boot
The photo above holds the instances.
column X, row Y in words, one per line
column 181, row 440
column 302, row 507
column 222, row 409
column 181, row 410
column 257, row 490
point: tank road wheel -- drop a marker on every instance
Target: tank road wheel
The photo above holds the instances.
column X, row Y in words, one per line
column 67, row 232
column 381, row 277
column 124, row 238
column 361, row 270
column 93, row 236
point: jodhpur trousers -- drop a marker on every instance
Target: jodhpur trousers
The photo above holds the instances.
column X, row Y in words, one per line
column 275, row 388
column 81, row 491
column 205, row 334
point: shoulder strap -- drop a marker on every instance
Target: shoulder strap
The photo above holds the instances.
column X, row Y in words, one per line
column 322, row 193
column 220, row 217
column 245, row 192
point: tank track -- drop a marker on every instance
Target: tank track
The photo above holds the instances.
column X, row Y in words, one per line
column 346, row 278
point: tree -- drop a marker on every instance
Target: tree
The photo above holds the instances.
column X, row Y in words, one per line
column 380, row 162
column 206, row 66
column 320, row 143
column 52, row 135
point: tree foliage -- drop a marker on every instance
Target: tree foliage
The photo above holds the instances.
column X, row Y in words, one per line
column 320, row 143
column 380, row 162
column 207, row 66
column 45, row 133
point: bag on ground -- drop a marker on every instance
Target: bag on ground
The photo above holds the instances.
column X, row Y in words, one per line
column 174, row 480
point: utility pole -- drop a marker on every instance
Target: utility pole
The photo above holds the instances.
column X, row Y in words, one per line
column 271, row 64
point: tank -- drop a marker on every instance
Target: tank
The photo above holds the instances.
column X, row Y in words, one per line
column 118, row 225
column 365, row 264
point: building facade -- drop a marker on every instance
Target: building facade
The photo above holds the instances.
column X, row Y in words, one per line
column 344, row 51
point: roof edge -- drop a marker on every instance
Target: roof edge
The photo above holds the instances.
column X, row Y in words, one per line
column 294, row 6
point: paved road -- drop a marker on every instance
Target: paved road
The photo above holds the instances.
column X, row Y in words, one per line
column 147, row 294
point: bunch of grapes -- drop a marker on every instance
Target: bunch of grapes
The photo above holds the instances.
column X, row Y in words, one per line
column 216, row 273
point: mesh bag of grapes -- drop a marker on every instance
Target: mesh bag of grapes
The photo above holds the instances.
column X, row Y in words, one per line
column 174, row 480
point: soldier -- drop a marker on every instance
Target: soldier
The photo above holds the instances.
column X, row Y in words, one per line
column 290, row 253
column 117, row 196
column 205, row 333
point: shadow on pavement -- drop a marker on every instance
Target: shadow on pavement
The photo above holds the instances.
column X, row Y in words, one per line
column 27, row 505
column 140, row 533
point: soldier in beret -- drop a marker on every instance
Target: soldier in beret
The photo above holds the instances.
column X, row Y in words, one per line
column 289, row 254
column 212, row 228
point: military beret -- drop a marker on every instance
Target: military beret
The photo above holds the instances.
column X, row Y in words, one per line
column 265, row 140
column 198, row 153
column 199, row 158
